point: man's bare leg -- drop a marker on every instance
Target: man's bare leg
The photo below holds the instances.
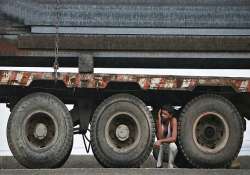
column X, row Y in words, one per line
column 160, row 157
column 172, row 152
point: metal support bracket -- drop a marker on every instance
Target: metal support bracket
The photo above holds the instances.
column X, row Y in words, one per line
column 83, row 110
column 86, row 63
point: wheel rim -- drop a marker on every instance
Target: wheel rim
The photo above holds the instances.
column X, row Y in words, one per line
column 122, row 132
column 40, row 130
column 210, row 132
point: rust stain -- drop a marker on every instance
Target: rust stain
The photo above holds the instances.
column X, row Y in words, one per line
column 13, row 77
column 25, row 79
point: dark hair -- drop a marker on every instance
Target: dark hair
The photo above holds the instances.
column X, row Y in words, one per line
column 169, row 108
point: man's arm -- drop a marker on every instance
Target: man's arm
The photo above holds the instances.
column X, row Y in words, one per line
column 174, row 133
column 160, row 128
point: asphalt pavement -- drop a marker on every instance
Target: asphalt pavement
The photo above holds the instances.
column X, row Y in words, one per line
column 117, row 171
column 88, row 165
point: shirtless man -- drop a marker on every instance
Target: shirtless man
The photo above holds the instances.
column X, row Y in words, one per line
column 166, row 134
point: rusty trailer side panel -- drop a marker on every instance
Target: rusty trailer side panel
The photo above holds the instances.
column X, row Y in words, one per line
column 146, row 82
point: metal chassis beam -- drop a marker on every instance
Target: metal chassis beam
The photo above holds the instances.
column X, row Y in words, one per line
column 141, row 31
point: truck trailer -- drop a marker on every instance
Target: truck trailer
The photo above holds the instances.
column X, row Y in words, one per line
column 119, row 110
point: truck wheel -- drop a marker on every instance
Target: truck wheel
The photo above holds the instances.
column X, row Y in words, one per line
column 40, row 131
column 210, row 132
column 122, row 132
column 181, row 161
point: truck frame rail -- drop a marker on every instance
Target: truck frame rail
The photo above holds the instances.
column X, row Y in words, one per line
column 101, row 81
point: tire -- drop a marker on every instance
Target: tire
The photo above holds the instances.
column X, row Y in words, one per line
column 122, row 132
column 210, row 132
column 40, row 131
column 181, row 161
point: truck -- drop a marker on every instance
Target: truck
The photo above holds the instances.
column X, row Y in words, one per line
column 119, row 110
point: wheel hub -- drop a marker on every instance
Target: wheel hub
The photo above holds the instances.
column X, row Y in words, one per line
column 210, row 132
column 122, row 132
column 40, row 131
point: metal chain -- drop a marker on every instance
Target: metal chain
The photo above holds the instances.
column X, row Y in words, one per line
column 57, row 23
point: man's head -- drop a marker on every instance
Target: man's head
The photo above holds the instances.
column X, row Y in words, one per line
column 167, row 111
